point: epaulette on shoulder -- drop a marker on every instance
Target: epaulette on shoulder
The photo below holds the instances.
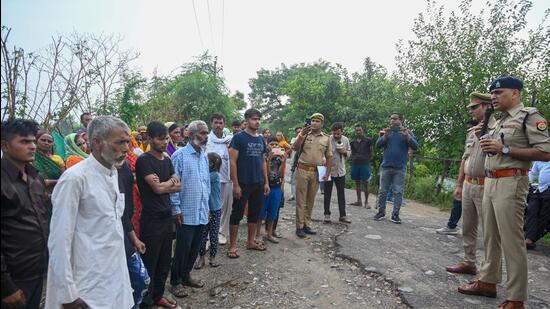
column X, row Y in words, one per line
column 530, row 110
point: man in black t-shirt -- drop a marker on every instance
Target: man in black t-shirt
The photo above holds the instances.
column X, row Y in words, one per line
column 156, row 180
column 361, row 154
column 250, row 182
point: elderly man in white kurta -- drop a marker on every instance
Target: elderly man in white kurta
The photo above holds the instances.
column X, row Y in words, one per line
column 87, row 266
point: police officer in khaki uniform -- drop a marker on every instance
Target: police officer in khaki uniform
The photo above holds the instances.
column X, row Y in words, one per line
column 520, row 136
column 316, row 152
column 469, row 188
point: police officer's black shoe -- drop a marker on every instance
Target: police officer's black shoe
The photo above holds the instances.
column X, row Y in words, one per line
column 380, row 216
column 309, row 231
column 300, row 233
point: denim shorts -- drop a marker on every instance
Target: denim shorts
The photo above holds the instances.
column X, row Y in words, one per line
column 360, row 172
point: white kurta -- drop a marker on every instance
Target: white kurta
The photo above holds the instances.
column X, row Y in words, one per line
column 86, row 244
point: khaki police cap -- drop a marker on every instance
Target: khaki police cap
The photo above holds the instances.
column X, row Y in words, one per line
column 318, row 116
column 483, row 97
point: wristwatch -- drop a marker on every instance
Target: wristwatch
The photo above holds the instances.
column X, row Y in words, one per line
column 506, row 150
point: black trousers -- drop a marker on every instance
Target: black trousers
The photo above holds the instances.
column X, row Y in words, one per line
column 188, row 243
column 32, row 289
column 538, row 215
column 157, row 260
column 340, row 183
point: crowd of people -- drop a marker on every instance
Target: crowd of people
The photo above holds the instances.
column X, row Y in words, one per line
column 95, row 214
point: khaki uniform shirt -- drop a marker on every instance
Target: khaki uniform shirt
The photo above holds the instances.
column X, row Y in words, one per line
column 474, row 157
column 339, row 159
column 510, row 128
column 317, row 148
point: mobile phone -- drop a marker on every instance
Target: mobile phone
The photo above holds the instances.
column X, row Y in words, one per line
column 277, row 151
column 308, row 121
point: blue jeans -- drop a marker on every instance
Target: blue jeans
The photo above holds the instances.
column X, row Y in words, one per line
column 395, row 177
column 139, row 278
column 456, row 213
column 390, row 195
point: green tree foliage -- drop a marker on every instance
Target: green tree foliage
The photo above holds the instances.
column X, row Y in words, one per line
column 453, row 55
column 130, row 99
column 195, row 93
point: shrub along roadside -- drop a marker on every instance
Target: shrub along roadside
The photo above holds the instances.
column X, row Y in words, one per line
column 422, row 187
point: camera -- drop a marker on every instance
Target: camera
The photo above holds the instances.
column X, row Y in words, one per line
column 339, row 145
column 308, row 121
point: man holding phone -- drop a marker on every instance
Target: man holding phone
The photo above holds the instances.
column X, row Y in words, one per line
column 314, row 148
column 396, row 141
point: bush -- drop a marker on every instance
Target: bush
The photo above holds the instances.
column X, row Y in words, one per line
column 421, row 170
column 423, row 189
column 420, row 188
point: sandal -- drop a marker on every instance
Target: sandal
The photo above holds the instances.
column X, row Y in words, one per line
column 194, row 283
column 355, row 204
column 232, row 254
column 166, row 303
column 199, row 264
column 272, row 239
column 257, row 247
column 179, row 291
column 213, row 263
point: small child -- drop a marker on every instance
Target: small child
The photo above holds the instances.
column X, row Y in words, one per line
column 215, row 202
column 276, row 164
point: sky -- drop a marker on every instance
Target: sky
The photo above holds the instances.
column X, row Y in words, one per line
column 244, row 35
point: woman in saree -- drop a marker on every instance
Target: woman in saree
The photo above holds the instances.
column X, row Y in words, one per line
column 75, row 147
column 135, row 143
column 131, row 158
column 49, row 165
column 174, row 131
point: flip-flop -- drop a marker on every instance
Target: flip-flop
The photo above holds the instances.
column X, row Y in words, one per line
column 272, row 239
column 233, row 254
column 213, row 264
column 257, row 247
column 195, row 283
column 179, row 291
column 166, row 303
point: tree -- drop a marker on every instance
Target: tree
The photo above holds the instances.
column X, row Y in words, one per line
column 196, row 92
column 130, row 98
column 74, row 73
column 453, row 56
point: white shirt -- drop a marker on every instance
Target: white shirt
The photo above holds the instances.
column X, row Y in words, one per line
column 86, row 244
column 219, row 146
